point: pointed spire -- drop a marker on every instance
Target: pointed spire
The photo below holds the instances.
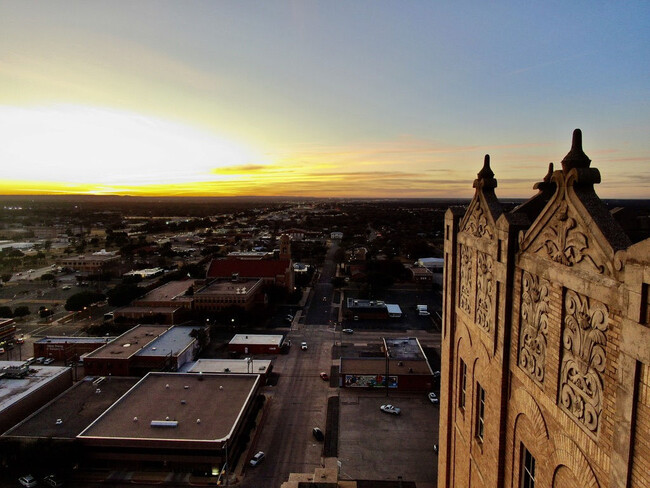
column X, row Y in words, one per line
column 485, row 176
column 575, row 158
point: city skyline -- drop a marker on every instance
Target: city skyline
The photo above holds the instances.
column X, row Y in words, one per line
column 321, row 99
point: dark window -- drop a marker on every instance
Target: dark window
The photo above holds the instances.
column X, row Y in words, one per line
column 480, row 412
column 527, row 468
column 463, row 385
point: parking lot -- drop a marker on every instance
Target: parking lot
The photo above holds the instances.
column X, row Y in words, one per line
column 376, row 445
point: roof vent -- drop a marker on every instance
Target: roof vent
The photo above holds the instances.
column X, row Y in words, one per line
column 164, row 423
column 220, row 387
column 198, row 421
column 135, row 419
column 183, row 402
column 186, row 387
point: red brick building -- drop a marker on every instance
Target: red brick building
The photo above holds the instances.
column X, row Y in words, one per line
column 545, row 342
column 274, row 270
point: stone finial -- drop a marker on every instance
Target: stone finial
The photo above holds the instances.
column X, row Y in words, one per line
column 546, row 182
column 485, row 176
column 575, row 158
column 486, row 172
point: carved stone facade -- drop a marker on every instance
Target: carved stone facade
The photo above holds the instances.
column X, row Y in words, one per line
column 484, row 291
column 565, row 241
column 466, row 275
column 545, row 339
column 533, row 330
column 584, row 342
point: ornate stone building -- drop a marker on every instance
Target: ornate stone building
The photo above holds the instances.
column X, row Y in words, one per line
column 546, row 340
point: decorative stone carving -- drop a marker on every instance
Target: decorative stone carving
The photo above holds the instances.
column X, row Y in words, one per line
column 484, row 291
column 533, row 327
column 584, row 341
column 478, row 223
column 565, row 242
column 465, row 299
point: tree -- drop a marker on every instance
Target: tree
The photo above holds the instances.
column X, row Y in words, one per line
column 6, row 277
column 83, row 299
column 21, row 311
column 5, row 312
column 123, row 294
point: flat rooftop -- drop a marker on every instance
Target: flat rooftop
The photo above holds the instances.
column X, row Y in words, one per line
column 174, row 290
column 238, row 366
column 205, row 407
column 174, row 341
column 257, row 339
column 405, row 348
column 240, row 287
column 145, row 309
column 378, row 366
column 77, row 408
column 74, row 340
column 129, row 343
column 13, row 390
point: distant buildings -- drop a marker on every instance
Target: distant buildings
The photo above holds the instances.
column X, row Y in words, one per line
column 545, row 341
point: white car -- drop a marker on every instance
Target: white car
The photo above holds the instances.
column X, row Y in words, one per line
column 28, row 481
column 257, row 459
column 303, row 346
column 348, row 331
column 433, row 398
column 392, row 409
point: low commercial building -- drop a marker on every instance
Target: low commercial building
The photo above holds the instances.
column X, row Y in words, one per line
column 182, row 421
column 248, row 365
column 358, row 309
column 221, row 294
column 256, row 344
column 168, row 304
column 96, row 263
column 401, row 360
column 66, row 348
column 143, row 349
column 20, row 395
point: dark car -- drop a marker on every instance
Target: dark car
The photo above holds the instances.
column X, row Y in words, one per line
column 318, row 434
column 324, row 376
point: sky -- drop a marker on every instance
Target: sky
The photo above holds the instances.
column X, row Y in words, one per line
column 364, row 98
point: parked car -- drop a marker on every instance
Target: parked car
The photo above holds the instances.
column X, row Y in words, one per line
column 48, row 361
column 257, row 459
column 318, row 434
column 348, row 331
column 303, row 346
column 392, row 409
column 40, row 360
column 433, row 398
column 28, row 481
column 66, row 287
column 289, row 318
column 20, row 340
column 324, row 376
column 52, row 480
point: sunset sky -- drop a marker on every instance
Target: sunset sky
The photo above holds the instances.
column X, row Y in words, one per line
column 319, row 98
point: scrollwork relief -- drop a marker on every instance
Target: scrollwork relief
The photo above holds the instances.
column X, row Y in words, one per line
column 478, row 224
column 584, row 340
column 533, row 328
column 484, row 291
column 465, row 300
column 565, row 242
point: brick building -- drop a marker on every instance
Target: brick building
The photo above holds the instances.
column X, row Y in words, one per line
column 271, row 269
column 545, row 358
